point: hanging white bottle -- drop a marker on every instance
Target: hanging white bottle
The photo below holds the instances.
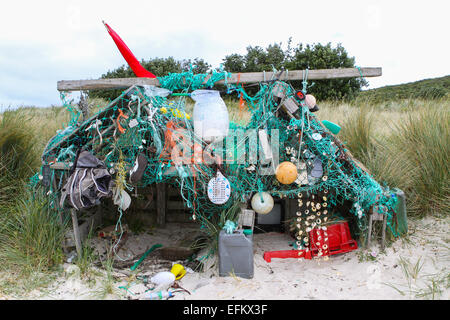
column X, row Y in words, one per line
column 211, row 121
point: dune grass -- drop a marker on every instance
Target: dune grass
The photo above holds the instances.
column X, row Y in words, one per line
column 30, row 232
column 405, row 147
column 31, row 238
column 423, row 138
column 30, row 243
column 18, row 154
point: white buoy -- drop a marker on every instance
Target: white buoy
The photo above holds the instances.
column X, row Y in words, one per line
column 263, row 206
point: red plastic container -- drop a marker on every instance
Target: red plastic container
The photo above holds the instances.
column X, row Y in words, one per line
column 338, row 240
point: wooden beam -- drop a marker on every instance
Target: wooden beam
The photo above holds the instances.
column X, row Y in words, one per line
column 245, row 77
column 116, row 83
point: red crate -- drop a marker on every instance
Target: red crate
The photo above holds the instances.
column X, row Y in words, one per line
column 339, row 241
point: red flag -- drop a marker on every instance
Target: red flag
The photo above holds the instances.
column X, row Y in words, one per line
column 134, row 64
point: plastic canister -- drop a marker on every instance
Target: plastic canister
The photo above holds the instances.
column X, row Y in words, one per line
column 211, row 120
column 236, row 254
column 400, row 212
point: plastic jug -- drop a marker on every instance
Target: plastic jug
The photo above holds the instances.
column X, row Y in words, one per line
column 401, row 221
column 236, row 254
column 210, row 116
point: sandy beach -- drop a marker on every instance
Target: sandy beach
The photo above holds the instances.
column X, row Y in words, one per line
column 414, row 267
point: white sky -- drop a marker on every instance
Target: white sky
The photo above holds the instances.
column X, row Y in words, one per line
column 42, row 42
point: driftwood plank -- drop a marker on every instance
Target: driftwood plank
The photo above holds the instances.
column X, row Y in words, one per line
column 245, row 77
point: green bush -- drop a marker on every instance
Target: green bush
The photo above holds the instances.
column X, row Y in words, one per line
column 432, row 92
column 157, row 66
column 428, row 89
column 258, row 59
column 315, row 56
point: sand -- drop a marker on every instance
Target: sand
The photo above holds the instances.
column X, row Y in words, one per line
column 360, row 274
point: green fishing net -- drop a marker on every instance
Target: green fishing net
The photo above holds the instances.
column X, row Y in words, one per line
column 147, row 122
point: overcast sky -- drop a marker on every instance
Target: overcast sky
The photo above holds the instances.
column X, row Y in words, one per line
column 42, row 42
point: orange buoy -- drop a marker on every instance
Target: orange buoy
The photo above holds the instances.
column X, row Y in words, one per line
column 286, row 172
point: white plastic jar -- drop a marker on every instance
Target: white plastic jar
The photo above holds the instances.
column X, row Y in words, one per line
column 210, row 115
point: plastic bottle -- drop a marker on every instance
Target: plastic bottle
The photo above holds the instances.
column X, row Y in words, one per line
column 160, row 295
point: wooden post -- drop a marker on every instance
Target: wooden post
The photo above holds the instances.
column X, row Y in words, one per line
column 369, row 231
column 161, row 204
column 55, row 188
column 84, row 107
column 374, row 215
column 60, row 210
column 76, row 231
column 383, row 232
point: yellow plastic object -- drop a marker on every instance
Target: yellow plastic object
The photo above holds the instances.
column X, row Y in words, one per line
column 286, row 172
column 178, row 270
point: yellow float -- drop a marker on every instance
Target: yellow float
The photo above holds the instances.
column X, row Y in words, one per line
column 286, row 172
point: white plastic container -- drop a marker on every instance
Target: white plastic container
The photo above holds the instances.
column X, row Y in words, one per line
column 210, row 116
column 163, row 278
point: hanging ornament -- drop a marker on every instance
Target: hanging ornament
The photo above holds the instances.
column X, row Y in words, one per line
column 262, row 202
column 219, row 189
column 286, row 172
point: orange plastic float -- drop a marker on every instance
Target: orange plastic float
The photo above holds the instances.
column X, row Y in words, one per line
column 286, row 172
